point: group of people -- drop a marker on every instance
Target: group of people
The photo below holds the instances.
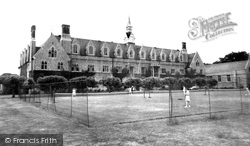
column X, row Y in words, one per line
column 130, row 90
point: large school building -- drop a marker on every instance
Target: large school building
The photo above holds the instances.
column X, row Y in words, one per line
column 69, row 56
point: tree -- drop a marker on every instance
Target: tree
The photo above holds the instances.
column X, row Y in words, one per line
column 123, row 74
column 81, row 83
column 13, row 82
column 233, row 56
column 190, row 73
column 200, row 82
column 52, row 82
column 112, row 83
column 136, row 82
column 151, row 82
column 186, row 82
column 212, row 82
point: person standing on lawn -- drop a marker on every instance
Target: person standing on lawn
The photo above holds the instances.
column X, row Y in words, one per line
column 129, row 91
column 184, row 91
column 187, row 99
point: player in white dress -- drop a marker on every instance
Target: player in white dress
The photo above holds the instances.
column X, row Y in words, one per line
column 187, row 99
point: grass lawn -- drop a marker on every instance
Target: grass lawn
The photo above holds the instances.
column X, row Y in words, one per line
column 113, row 109
column 229, row 128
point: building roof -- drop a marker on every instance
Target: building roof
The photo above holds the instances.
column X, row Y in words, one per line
column 226, row 67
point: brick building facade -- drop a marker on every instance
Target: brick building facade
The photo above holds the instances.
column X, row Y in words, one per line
column 68, row 56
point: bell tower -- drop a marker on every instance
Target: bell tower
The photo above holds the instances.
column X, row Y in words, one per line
column 129, row 38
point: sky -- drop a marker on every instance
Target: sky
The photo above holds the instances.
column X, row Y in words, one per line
column 156, row 23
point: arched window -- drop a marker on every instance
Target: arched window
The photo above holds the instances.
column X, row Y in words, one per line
column 49, row 53
column 91, row 50
column 118, row 52
column 153, row 55
column 197, row 63
column 75, row 50
column 181, row 58
column 142, row 54
column 105, row 51
column 52, row 52
column 131, row 54
column 163, row 56
column 172, row 57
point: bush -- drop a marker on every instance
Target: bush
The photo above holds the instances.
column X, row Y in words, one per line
column 48, row 83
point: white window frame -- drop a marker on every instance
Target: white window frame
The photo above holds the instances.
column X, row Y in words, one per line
column 77, row 48
column 93, row 50
column 144, row 56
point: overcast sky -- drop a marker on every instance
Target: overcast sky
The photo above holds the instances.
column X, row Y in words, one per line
column 156, row 23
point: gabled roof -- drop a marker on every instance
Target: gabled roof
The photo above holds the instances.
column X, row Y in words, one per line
column 226, row 67
column 190, row 57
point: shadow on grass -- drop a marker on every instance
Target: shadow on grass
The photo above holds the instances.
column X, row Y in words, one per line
column 217, row 117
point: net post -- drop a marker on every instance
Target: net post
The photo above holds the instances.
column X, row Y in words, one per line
column 241, row 106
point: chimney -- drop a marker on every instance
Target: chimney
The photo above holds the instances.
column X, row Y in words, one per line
column 33, row 32
column 65, row 29
column 184, row 45
column 66, row 38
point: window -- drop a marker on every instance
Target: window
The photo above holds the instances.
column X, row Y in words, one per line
column 143, row 70
column 228, row 78
column 219, row 78
column 197, row 63
column 142, row 55
column 172, row 71
column 75, row 51
column 91, row 68
column 119, row 69
column 105, row 51
column 163, row 70
column 181, row 58
column 91, row 50
column 201, row 71
column 153, row 56
column 172, row 57
column 131, row 54
column 44, row 65
column 182, row 71
column 60, row 65
column 52, row 52
column 105, row 68
column 75, row 67
column 118, row 52
column 163, row 56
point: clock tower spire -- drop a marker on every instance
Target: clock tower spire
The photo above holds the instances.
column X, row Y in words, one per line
column 129, row 35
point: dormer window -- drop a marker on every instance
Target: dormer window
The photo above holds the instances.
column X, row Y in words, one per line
column 172, row 57
column 153, row 56
column 181, row 58
column 143, row 55
column 91, row 50
column 75, row 49
column 131, row 54
column 163, row 57
column 52, row 52
column 105, row 51
column 118, row 52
